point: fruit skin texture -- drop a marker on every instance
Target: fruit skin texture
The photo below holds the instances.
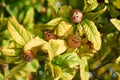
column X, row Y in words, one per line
column 76, row 16
column 27, row 56
column 49, row 34
column 74, row 41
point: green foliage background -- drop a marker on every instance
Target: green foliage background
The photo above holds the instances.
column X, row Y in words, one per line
column 22, row 23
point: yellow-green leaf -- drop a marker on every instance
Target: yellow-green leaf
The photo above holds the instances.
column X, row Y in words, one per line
column 92, row 33
column 62, row 28
column 95, row 14
column 53, row 22
column 117, row 61
column 116, row 4
column 34, row 44
column 66, row 10
column 57, row 72
column 50, row 25
column 27, row 70
column 15, row 70
column 90, row 5
column 116, row 23
column 84, row 70
column 1, row 77
column 56, row 47
column 10, row 52
column 69, row 60
column 55, row 4
column 67, row 74
column 29, row 18
column 17, row 31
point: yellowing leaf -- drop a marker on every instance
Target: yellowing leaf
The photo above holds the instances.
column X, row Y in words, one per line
column 116, row 23
column 34, row 44
column 56, row 47
column 1, row 77
column 17, row 31
column 63, row 28
column 45, row 47
column 84, row 70
column 90, row 5
column 57, row 72
column 92, row 33
column 116, row 3
column 117, row 61
column 10, row 52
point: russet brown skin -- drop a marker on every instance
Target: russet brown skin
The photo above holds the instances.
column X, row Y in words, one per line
column 27, row 56
column 74, row 41
column 49, row 34
column 76, row 16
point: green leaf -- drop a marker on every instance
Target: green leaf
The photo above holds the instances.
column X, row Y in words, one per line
column 84, row 70
column 104, row 51
column 17, row 31
column 62, row 28
column 116, row 23
column 113, row 11
column 34, row 44
column 56, row 47
column 74, row 4
column 38, row 6
column 55, row 4
column 90, row 5
column 95, row 14
column 66, row 10
column 68, row 59
column 29, row 18
column 92, row 33
column 12, row 12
